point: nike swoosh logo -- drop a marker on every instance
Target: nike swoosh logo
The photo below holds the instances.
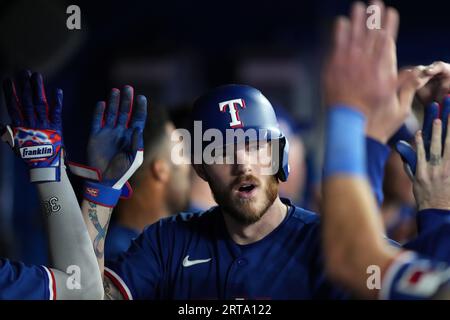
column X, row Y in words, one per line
column 188, row 263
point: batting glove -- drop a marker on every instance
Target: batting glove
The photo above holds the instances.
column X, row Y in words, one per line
column 115, row 147
column 35, row 132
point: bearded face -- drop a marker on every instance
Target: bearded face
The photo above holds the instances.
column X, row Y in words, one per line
column 241, row 189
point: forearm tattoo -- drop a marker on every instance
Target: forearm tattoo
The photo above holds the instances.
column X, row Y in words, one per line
column 101, row 230
column 111, row 292
column 51, row 205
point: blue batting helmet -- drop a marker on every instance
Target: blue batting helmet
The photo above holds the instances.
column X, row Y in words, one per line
column 242, row 107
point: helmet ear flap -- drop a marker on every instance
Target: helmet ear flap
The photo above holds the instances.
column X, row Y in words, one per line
column 283, row 170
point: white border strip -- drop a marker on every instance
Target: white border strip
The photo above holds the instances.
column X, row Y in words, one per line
column 43, row 174
column 50, row 283
column 138, row 159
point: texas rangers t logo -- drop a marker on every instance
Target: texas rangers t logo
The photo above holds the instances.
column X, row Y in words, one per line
column 233, row 110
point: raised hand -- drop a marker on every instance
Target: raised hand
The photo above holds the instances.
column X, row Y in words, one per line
column 432, row 112
column 432, row 179
column 35, row 132
column 115, row 137
column 438, row 87
column 115, row 147
column 362, row 72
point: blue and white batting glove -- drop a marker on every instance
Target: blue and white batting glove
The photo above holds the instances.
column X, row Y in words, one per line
column 432, row 112
column 115, row 147
column 35, row 132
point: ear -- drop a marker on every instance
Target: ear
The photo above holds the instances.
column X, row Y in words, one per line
column 200, row 170
column 160, row 170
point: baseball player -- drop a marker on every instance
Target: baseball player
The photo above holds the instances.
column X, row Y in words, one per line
column 253, row 245
column 350, row 210
column 35, row 134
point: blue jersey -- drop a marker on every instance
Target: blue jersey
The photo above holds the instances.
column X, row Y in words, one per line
column 377, row 155
column 18, row 281
column 118, row 240
column 191, row 256
column 433, row 239
column 414, row 277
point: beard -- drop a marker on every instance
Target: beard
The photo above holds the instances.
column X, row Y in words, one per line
column 246, row 211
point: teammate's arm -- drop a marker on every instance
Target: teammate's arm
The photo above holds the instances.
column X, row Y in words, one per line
column 74, row 265
column 35, row 135
column 368, row 93
column 115, row 151
column 433, row 217
column 97, row 219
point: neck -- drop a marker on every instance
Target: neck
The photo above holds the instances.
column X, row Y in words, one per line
column 246, row 234
column 144, row 208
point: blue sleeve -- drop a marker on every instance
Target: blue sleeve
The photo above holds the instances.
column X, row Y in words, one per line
column 138, row 272
column 429, row 219
column 377, row 155
column 433, row 242
column 21, row 282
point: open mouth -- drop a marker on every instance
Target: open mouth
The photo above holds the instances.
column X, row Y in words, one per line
column 246, row 188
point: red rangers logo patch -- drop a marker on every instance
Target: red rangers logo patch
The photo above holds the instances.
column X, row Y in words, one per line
column 422, row 279
column 92, row 192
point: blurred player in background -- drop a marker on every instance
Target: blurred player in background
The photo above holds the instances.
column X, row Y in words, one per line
column 200, row 196
column 399, row 206
column 350, row 210
column 161, row 187
column 294, row 187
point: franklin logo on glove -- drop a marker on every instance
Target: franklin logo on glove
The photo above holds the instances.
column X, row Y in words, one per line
column 36, row 152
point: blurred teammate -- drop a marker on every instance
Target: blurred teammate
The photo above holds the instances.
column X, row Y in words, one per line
column 200, row 197
column 399, row 207
column 161, row 187
column 350, row 211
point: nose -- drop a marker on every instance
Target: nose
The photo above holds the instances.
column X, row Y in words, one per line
column 242, row 163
